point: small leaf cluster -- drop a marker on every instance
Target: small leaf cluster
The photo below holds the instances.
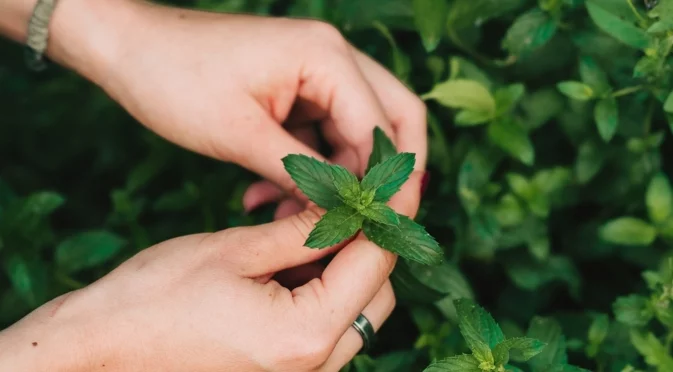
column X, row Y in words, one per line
column 492, row 351
column 354, row 204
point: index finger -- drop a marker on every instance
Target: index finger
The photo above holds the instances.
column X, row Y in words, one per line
column 406, row 111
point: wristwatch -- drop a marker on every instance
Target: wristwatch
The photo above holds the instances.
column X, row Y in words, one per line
column 38, row 34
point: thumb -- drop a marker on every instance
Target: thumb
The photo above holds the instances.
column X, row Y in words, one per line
column 277, row 245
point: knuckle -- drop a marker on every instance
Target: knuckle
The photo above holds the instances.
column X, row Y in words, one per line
column 417, row 109
column 326, row 34
column 304, row 351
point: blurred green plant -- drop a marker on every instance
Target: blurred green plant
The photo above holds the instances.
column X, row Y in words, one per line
column 548, row 125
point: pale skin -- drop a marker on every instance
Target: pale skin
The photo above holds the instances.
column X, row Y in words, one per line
column 240, row 89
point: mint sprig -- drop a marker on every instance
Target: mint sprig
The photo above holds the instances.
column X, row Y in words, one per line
column 354, row 205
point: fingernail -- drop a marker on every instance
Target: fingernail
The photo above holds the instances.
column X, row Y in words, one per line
column 424, row 182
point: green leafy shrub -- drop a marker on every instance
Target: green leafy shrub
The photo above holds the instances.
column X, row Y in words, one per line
column 548, row 121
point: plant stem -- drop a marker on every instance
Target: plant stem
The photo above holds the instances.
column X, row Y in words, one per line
column 635, row 11
column 68, row 281
column 627, row 90
column 648, row 118
column 472, row 53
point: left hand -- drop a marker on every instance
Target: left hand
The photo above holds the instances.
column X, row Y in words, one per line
column 244, row 89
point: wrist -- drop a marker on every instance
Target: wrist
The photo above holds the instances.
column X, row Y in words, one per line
column 43, row 341
column 86, row 35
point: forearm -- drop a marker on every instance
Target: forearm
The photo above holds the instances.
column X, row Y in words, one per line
column 84, row 35
column 41, row 342
column 14, row 16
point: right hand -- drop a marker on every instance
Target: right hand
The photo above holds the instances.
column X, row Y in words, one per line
column 215, row 302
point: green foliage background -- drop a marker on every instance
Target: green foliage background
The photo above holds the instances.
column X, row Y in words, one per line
column 549, row 124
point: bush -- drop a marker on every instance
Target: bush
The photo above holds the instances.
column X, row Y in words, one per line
column 548, row 123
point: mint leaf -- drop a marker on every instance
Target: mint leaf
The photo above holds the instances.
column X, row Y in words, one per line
column 469, row 118
column 30, row 279
column 408, row 239
column 386, row 178
column 381, row 213
column 87, row 249
column 616, row 27
column 314, row 178
column 509, row 135
column 529, row 31
column 633, row 310
column 548, row 331
column 430, row 19
column 458, row 363
column 593, row 75
column 347, row 185
column 476, row 325
column 525, row 347
column 606, row 116
column 334, row 227
column 383, row 149
column 463, row 94
column 659, row 198
column 628, row 231
column 576, row 90
column 654, row 352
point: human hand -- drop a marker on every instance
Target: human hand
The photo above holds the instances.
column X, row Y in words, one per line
column 248, row 89
column 214, row 302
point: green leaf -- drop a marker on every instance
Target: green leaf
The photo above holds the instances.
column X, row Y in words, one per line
column 382, row 150
column 616, row 27
column 628, row 231
column 607, row 117
column 531, row 274
column 633, row 310
column 43, row 203
column 529, row 31
column 507, row 97
column 477, row 325
column 576, row 90
column 599, row 328
column 509, row 211
column 512, row 138
column 386, row 178
column 469, row 118
column 430, row 19
column 29, row 279
column 347, row 185
column 524, row 346
column 409, row 288
column 590, row 160
column 335, row 226
column 463, row 94
column 463, row 68
column 87, row 249
column 546, row 330
column 458, row 363
column 593, row 75
column 654, row 352
column 381, row 213
column 659, row 198
column 668, row 104
column 408, row 239
column 468, row 13
column 314, row 178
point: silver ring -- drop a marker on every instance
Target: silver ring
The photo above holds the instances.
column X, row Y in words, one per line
column 366, row 331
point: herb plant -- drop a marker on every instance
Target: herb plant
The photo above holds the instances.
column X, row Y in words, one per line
column 550, row 138
column 352, row 204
